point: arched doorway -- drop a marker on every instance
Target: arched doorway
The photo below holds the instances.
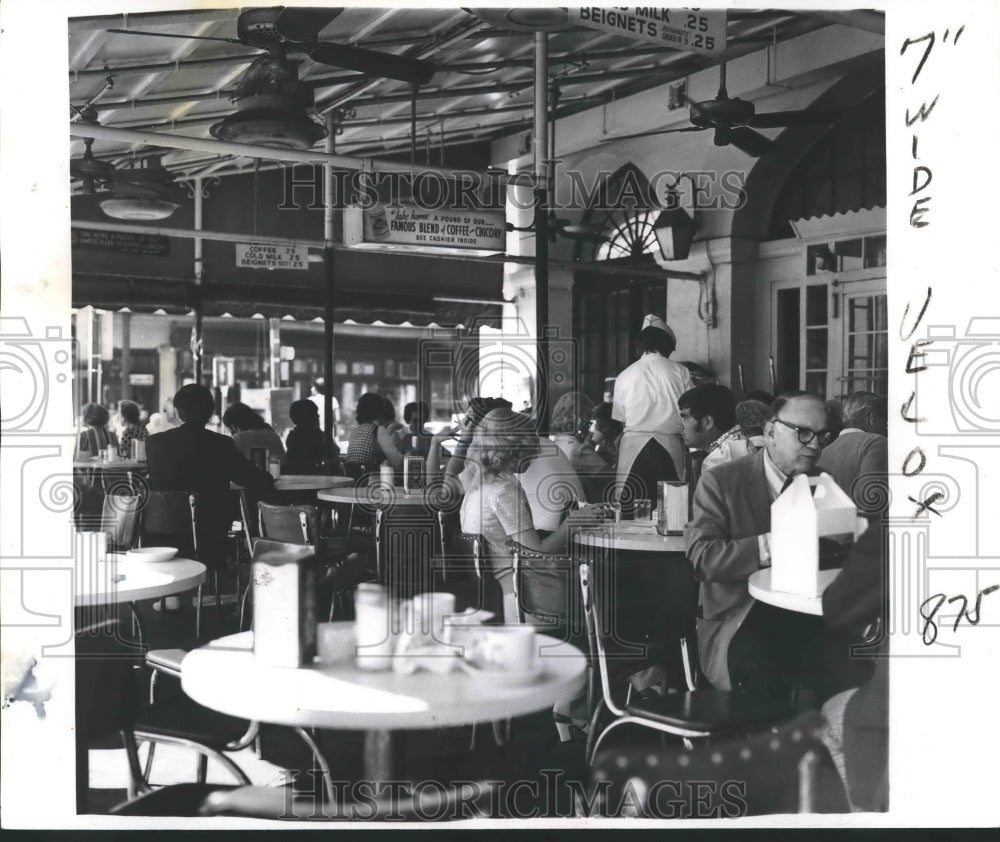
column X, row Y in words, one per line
column 608, row 309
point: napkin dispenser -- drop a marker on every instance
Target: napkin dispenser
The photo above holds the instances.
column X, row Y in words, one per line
column 810, row 508
column 672, row 507
column 284, row 604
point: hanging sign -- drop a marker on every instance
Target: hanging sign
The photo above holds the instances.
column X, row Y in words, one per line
column 412, row 228
column 262, row 256
column 698, row 30
column 123, row 242
column 141, row 379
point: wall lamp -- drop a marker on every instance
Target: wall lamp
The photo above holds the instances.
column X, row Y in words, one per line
column 675, row 227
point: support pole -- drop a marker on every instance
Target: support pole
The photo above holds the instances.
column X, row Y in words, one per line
column 541, row 147
column 126, row 356
column 329, row 197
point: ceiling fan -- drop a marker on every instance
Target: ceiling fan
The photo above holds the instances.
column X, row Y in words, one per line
column 298, row 30
column 144, row 190
column 733, row 121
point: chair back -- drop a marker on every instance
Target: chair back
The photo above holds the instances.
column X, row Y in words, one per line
column 355, row 470
column 120, row 518
column 548, row 593
column 291, row 524
column 458, row 570
column 171, row 518
column 404, row 549
column 641, row 611
column 772, row 771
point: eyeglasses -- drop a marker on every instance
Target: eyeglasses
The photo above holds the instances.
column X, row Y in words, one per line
column 806, row 435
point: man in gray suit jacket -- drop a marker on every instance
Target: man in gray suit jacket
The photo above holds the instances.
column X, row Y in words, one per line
column 744, row 644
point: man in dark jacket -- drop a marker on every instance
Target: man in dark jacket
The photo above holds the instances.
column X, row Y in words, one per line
column 191, row 458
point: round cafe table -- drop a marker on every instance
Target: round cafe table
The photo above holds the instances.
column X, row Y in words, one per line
column 116, row 465
column 305, row 482
column 373, row 496
column 141, row 580
column 639, row 536
column 223, row 675
column 760, row 588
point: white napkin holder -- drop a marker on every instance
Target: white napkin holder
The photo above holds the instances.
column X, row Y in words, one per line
column 811, row 507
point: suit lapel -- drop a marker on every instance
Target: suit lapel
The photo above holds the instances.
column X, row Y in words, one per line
column 758, row 497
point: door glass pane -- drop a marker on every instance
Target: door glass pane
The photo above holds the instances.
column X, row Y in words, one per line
column 816, row 383
column 816, row 348
column 816, row 305
column 866, row 346
column 788, row 340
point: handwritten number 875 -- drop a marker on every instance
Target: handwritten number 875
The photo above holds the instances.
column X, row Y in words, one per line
column 930, row 607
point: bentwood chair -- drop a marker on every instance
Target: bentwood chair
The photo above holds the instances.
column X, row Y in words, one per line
column 773, row 770
column 641, row 614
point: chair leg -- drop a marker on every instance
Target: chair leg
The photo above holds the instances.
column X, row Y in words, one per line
column 202, row 768
column 218, row 597
column 148, row 770
column 320, row 761
column 197, row 615
column 243, row 604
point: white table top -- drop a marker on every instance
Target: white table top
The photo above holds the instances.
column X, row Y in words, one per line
column 305, row 482
column 373, row 495
column 628, row 535
column 760, row 588
column 223, row 675
column 118, row 464
column 95, row 585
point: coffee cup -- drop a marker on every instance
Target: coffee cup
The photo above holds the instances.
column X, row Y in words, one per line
column 335, row 642
column 426, row 614
column 506, row 649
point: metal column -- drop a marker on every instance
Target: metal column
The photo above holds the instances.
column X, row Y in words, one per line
column 541, row 146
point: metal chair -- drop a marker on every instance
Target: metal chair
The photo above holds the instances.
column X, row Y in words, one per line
column 775, row 770
column 107, row 703
column 299, row 524
column 171, row 518
column 642, row 614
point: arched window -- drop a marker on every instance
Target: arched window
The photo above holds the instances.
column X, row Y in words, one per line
column 632, row 237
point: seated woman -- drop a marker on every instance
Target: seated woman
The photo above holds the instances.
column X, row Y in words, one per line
column 304, row 442
column 95, row 436
column 131, row 427
column 495, row 506
column 570, row 431
column 370, row 443
column 250, row 431
column 413, row 439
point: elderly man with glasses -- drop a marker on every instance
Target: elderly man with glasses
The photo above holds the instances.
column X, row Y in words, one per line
column 744, row 644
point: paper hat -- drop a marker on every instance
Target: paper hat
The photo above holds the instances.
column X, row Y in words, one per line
column 659, row 324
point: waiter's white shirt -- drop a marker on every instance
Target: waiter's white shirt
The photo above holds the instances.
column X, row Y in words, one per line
column 646, row 393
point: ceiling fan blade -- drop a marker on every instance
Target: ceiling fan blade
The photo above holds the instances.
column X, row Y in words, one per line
column 651, row 133
column 372, row 62
column 172, row 35
column 808, row 117
column 304, row 25
column 751, row 142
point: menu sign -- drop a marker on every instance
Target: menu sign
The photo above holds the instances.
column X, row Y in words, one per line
column 698, row 30
column 123, row 242
column 407, row 227
column 260, row 256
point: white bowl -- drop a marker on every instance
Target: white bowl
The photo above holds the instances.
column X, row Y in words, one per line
column 152, row 553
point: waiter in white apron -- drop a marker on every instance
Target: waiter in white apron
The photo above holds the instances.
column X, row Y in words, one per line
column 645, row 399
